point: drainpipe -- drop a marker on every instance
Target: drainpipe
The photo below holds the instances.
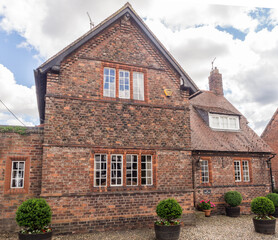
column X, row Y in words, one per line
column 268, row 161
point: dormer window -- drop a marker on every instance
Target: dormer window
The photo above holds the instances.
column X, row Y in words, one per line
column 224, row 122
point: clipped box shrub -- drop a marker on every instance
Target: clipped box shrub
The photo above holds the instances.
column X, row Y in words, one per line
column 169, row 209
column 233, row 198
column 34, row 214
column 274, row 198
column 262, row 206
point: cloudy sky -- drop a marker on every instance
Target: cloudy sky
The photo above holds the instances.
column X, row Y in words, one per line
column 242, row 35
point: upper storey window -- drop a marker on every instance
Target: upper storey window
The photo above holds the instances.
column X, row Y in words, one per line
column 138, row 86
column 123, row 84
column 109, row 87
column 223, row 122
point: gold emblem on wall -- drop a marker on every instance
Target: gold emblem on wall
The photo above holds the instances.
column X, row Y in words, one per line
column 168, row 92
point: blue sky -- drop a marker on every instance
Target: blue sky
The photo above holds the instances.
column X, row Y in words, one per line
column 242, row 37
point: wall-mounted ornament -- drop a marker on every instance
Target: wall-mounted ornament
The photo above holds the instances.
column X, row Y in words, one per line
column 168, row 92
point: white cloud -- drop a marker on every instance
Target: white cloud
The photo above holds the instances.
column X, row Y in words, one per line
column 21, row 100
column 186, row 28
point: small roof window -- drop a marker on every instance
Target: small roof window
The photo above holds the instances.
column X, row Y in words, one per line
column 224, row 122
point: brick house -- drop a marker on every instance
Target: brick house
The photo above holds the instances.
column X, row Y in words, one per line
column 111, row 143
column 226, row 153
column 269, row 135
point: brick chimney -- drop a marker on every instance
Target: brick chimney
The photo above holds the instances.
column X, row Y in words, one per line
column 215, row 82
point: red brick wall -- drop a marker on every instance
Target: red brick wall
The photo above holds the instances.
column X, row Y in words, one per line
column 18, row 146
column 222, row 181
column 270, row 135
column 79, row 120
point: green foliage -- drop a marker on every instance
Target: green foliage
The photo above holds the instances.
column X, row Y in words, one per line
column 34, row 214
column 274, row 198
column 15, row 129
column 233, row 198
column 275, row 190
column 169, row 209
column 262, row 206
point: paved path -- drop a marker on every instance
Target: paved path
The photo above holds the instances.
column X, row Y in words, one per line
column 213, row 228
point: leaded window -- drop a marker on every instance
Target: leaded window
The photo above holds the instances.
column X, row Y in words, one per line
column 124, row 84
column 237, row 171
column 138, row 86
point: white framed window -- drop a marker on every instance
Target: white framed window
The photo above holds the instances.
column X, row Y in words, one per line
column 245, row 169
column 237, row 171
column 205, row 171
column 17, row 175
column 131, row 170
column 146, row 170
column 116, row 170
column 100, row 170
column 124, row 84
column 138, row 86
column 109, row 82
column 223, row 122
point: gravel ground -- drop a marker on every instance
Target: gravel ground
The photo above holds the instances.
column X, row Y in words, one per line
column 213, row 228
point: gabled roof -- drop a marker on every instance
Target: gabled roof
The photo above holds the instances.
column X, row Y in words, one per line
column 53, row 63
column 203, row 138
column 268, row 126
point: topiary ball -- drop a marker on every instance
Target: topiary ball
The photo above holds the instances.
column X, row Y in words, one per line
column 274, row 198
column 262, row 206
column 169, row 209
column 34, row 214
column 233, row 198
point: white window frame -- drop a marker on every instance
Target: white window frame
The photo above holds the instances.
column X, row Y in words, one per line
column 138, row 86
column 151, row 169
column 205, row 171
column 100, row 169
column 221, row 118
column 238, row 170
column 17, row 178
column 122, row 162
column 125, row 94
column 132, row 170
column 246, row 171
column 109, row 90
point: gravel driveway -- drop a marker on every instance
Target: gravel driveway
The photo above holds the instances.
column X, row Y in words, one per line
column 213, row 228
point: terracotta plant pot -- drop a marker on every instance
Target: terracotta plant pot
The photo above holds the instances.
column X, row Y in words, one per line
column 207, row 212
column 232, row 211
column 39, row 236
column 163, row 232
column 265, row 226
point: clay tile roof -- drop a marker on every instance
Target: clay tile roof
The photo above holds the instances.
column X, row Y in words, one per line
column 205, row 139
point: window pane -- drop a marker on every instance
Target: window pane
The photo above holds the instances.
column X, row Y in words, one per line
column 146, row 170
column 17, row 174
column 132, row 165
column 205, row 171
column 124, row 82
column 100, row 171
column 138, row 86
column 116, row 170
column 245, row 168
column 109, row 82
column 237, row 171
